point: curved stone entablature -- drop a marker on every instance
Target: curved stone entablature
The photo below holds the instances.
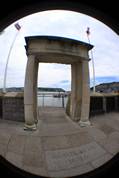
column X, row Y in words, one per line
column 53, row 49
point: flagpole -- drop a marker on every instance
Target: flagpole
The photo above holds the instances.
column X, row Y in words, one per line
column 6, row 67
column 93, row 66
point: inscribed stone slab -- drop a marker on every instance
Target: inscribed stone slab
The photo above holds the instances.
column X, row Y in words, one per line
column 73, row 157
column 71, row 172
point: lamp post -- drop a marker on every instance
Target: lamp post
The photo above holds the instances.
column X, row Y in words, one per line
column 93, row 66
column 18, row 27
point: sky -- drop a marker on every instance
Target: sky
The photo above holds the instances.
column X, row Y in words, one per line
column 65, row 24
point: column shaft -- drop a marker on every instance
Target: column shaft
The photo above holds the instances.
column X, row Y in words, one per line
column 30, row 93
column 84, row 120
column 80, row 93
column 76, row 91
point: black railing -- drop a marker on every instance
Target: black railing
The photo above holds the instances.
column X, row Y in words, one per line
column 96, row 105
column 104, row 104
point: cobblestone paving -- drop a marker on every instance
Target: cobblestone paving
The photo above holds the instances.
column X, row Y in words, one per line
column 60, row 147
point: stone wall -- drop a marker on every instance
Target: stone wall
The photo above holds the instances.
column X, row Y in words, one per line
column 13, row 106
column 1, row 109
column 100, row 103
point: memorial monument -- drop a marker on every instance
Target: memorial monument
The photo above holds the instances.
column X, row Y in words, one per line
column 52, row 49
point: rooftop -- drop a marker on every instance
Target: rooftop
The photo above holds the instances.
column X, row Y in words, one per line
column 58, row 38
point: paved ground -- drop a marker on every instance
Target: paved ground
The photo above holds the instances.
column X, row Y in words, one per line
column 59, row 147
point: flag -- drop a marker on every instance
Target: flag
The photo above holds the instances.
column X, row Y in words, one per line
column 88, row 31
column 17, row 26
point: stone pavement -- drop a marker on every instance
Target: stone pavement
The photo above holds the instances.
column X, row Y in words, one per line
column 60, row 147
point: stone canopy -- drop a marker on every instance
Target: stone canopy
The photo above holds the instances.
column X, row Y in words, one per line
column 53, row 49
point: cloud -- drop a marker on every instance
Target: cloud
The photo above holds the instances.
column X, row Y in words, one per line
column 52, row 76
column 59, row 23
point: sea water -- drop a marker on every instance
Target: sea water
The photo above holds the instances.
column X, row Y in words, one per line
column 50, row 99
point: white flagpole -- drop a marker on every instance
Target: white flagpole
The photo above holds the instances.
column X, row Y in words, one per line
column 6, row 67
column 93, row 66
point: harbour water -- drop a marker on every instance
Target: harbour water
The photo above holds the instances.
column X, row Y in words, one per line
column 51, row 99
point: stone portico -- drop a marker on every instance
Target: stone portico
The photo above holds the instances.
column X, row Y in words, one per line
column 50, row 49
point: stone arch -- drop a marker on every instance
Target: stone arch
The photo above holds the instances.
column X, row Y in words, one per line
column 58, row 50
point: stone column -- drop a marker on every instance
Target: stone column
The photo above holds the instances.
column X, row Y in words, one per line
column 35, row 88
column 30, row 93
column 76, row 91
column 85, row 105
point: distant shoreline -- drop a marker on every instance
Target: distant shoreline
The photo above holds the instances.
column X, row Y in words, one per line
column 40, row 89
column 101, row 88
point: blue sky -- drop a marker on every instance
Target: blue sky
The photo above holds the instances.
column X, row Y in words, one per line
column 66, row 24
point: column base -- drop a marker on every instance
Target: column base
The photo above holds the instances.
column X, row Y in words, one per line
column 30, row 127
column 84, row 123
